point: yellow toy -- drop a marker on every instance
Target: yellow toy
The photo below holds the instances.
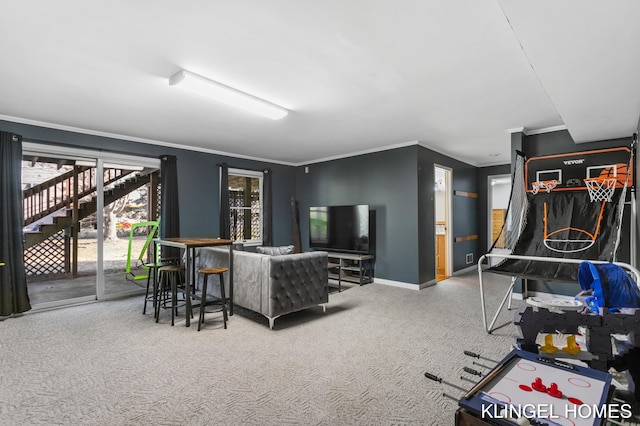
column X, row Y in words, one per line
column 548, row 346
column 572, row 347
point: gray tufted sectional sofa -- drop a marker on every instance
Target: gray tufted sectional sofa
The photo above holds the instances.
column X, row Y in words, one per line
column 272, row 285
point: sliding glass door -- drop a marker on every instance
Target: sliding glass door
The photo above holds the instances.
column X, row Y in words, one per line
column 60, row 242
column 89, row 217
column 129, row 224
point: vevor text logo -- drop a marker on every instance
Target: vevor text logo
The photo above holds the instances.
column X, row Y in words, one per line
column 573, row 162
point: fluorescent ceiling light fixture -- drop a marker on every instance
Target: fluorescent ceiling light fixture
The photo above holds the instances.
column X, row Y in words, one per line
column 219, row 92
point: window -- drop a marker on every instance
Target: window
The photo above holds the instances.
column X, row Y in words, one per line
column 245, row 205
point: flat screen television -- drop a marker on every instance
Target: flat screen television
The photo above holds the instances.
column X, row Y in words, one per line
column 339, row 228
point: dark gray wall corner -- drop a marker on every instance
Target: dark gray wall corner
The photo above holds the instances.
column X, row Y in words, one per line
column 464, row 211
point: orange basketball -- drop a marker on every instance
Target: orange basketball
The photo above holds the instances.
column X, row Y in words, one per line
column 609, row 172
column 620, row 173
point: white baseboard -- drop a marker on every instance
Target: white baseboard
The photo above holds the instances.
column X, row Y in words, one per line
column 402, row 284
column 465, row 270
column 428, row 284
column 420, row 286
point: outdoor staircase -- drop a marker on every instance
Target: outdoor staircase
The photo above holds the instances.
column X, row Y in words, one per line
column 61, row 209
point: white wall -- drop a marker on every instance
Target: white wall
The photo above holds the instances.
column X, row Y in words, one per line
column 440, row 186
column 440, row 206
column 500, row 195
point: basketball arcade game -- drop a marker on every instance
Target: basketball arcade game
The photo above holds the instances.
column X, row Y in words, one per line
column 600, row 182
column 571, row 211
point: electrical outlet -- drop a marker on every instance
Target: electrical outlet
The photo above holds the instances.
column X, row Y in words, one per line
column 469, row 258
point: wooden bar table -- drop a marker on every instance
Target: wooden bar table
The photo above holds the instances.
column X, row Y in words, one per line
column 189, row 245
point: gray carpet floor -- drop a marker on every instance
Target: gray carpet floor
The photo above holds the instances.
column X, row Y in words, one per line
column 360, row 363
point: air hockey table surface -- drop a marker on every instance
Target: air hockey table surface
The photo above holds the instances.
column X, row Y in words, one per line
column 544, row 391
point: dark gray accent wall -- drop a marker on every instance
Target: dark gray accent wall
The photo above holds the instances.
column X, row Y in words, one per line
column 464, row 211
column 385, row 180
column 198, row 177
column 561, row 141
column 398, row 184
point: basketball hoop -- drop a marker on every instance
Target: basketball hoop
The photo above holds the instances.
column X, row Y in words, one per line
column 601, row 189
column 548, row 185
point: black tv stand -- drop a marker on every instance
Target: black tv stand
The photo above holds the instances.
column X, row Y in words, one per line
column 351, row 267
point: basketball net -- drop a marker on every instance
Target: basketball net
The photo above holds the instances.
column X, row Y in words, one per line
column 516, row 210
column 601, row 189
column 623, row 196
column 548, row 185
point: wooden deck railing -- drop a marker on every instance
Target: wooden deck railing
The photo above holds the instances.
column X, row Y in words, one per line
column 57, row 193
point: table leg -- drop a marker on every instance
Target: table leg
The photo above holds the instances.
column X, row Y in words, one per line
column 187, row 285
column 194, row 276
column 230, row 279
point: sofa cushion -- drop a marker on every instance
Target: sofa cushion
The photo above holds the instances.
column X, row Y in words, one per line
column 275, row 251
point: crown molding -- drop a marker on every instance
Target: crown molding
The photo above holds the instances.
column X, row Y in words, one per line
column 110, row 135
column 529, row 132
column 357, row 153
column 546, row 130
column 73, row 129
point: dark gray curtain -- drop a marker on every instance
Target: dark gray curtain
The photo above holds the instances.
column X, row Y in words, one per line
column 169, row 204
column 225, row 224
column 267, row 215
column 14, row 298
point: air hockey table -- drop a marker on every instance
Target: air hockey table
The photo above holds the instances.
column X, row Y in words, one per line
column 527, row 389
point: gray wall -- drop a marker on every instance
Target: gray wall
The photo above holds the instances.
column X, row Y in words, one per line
column 398, row 184
column 464, row 211
column 198, row 177
column 387, row 181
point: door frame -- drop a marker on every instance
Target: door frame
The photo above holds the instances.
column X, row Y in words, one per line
column 490, row 179
column 448, row 218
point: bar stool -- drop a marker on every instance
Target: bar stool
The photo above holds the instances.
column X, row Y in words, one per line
column 212, row 300
column 169, row 277
column 152, row 278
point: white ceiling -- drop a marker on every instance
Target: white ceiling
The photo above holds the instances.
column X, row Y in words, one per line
column 358, row 75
